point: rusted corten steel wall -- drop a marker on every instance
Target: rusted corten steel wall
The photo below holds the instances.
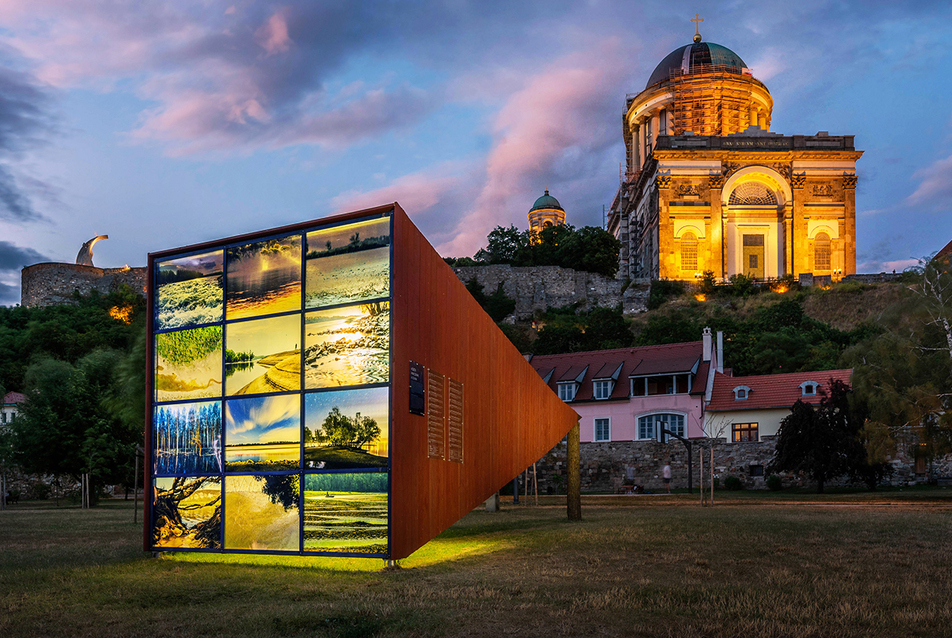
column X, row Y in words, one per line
column 510, row 417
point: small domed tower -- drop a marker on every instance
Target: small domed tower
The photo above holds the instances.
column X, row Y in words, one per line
column 546, row 212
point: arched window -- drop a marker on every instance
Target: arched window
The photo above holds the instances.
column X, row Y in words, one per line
column 752, row 194
column 689, row 252
column 821, row 250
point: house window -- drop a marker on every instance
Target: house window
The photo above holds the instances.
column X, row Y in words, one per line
column 808, row 388
column 821, row 247
column 689, row 252
column 567, row 391
column 603, row 389
column 744, row 432
column 741, row 393
column 603, row 429
column 649, row 427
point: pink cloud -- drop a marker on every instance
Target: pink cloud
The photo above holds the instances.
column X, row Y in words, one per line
column 273, row 35
column 934, row 192
column 416, row 193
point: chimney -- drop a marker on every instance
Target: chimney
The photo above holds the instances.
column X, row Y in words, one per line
column 706, row 350
column 720, row 351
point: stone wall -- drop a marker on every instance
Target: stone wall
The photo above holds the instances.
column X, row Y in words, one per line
column 538, row 288
column 49, row 284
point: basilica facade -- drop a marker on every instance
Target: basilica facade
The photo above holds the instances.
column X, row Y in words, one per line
column 708, row 187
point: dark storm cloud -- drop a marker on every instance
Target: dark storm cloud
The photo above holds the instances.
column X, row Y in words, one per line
column 14, row 257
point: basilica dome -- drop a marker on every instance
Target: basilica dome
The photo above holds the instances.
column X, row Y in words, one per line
column 546, row 202
column 697, row 58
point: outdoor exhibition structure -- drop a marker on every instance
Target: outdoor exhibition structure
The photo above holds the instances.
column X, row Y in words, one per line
column 328, row 388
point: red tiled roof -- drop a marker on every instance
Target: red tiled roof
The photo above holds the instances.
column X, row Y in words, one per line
column 664, row 359
column 771, row 390
column 14, row 398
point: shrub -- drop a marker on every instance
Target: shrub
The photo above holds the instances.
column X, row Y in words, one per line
column 733, row 483
column 774, row 483
column 661, row 290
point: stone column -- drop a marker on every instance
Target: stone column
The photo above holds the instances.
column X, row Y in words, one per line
column 849, row 221
column 636, row 148
column 799, row 257
column 667, row 268
column 716, row 238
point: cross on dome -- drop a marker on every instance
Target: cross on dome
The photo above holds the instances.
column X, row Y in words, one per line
column 697, row 20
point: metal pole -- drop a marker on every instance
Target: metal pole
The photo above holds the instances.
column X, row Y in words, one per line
column 515, row 490
column 712, row 476
column 700, row 454
column 573, row 498
column 135, row 502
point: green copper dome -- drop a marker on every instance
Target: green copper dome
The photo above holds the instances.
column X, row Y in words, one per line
column 546, row 202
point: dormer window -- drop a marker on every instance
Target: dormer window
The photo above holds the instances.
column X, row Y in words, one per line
column 741, row 393
column 603, row 389
column 808, row 388
column 567, row 391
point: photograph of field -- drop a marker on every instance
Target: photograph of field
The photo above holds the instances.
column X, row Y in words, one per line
column 188, row 438
column 346, row 513
column 261, row 512
column 346, row 428
column 188, row 364
column 263, row 277
column 347, row 264
column 189, row 291
column 263, row 355
column 186, row 512
column 263, row 434
column 347, row 346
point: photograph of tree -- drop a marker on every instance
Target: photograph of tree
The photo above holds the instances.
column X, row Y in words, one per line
column 263, row 434
column 346, row 428
column 186, row 512
column 346, row 513
column 188, row 438
column 263, row 355
column 263, row 277
column 188, row 364
column 189, row 291
column 349, row 263
column 261, row 512
column 347, row 346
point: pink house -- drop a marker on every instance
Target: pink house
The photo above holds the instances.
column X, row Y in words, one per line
column 633, row 394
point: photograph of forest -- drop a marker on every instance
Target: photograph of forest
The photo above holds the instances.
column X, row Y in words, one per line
column 347, row 346
column 189, row 291
column 346, row 428
column 186, row 512
column 263, row 355
column 263, row 434
column 346, row 513
column 263, row 277
column 188, row 364
column 188, row 438
column 261, row 512
column 347, row 264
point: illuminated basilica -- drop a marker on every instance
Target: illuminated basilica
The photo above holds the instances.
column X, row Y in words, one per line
column 708, row 187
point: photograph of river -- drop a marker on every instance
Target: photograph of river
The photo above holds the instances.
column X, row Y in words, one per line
column 263, row 434
column 188, row 438
column 347, row 428
column 261, row 512
column 263, row 355
column 263, row 278
column 189, row 291
column 186, row 512
column 188, row 364
column 347, row 346
column 347, row 264
column 346, row 513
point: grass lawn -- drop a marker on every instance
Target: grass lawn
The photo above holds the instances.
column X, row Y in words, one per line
column 755, row 565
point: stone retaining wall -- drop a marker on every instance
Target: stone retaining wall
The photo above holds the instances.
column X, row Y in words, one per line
column 49, row 284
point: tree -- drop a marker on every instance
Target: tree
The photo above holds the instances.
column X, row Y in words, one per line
column 822, row 441
column 341, row 430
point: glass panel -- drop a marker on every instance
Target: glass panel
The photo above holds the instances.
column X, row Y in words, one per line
column 189, row 291
column 346, row 513
column 348, row 263
column 684, row 383
column 188, row 364
column 261, row 512
column 187, row 438
column 186, row 512
column 263, row 356
column 263, row 434
column 347, row 346
column 263, row 278
column 638, row 387
column 347, row 429
column 660, row 385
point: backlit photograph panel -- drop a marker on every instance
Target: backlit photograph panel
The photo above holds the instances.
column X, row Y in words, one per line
column 261, row 512
column 346, row 429
column 347, row 346
column 186, row 512
column 188, row 438
column 189, row 291
column 263, row 434
column 346, row 513
column 263, row 278
column 263, row 356
column 188, row 364
column 349, row 263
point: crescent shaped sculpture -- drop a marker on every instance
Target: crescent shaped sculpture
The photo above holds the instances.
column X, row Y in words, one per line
column 85, row 255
